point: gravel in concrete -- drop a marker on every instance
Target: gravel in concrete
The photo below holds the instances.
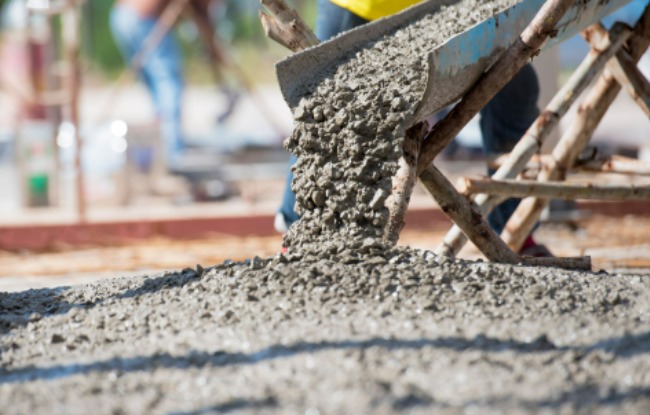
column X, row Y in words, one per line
column 397, row 331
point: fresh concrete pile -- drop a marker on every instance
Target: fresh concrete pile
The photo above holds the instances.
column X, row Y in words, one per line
column 349, row 131
column 398, row 332
column 342, row 323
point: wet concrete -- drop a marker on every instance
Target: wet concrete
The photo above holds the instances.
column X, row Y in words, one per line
column 342, row 323
column 400, row 331
column 350, row 129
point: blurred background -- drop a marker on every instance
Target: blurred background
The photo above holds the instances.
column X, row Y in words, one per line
column 90, row 184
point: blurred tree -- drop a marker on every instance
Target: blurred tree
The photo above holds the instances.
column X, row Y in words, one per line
column 236, row 22
column 98, row 44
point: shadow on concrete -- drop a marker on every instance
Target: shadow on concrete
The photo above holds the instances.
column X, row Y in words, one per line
column 579, row 398
column 622, row 346
column 239, row 404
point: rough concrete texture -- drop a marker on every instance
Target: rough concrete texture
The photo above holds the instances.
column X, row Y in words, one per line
column 341, row 324
column 401, row 331
column 349, row 130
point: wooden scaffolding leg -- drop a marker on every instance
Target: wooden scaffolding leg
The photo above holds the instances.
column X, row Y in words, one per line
column 71, row 42
column 625, row 71
column 556, row 190
column 459, row 210
column 284, row 25
column 493, row 80
column 543, row 126
column 615, row 164
column 404, row 182
column 590, row 112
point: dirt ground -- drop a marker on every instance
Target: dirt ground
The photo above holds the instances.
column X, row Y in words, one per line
column 615, row 244
column 401, row 331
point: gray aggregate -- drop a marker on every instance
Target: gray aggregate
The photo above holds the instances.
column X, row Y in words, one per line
column 395, row 331
column 349, row 131
column 342, row 323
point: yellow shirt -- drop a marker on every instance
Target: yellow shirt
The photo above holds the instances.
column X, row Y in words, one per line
column 374, row 9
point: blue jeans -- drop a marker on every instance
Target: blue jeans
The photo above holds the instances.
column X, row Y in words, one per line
column 503, row 120
column 161, row 72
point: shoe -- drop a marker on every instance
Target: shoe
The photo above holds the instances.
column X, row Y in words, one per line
column 533, row 249
column 280, row 223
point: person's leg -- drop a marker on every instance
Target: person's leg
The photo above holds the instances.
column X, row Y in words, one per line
column 331, row 20
column 504, row 120
column 288, row 201
column 163, row 68
column 161, row 72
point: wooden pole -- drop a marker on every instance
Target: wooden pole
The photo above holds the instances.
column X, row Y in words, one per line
column 284, row 25
column 625, row 71
column 404, row 182
column 555, row 190
column 71, row 41
column 536, row 161
column 578, row 263
column 576, row 137
column 615, row 164
column 509, row 64
column 540, row 130
column 206, row 31
column 459, row 210
column 221, row 58
column 630, row 77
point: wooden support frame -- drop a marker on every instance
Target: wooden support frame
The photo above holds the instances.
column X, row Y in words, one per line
column 541, row 129
column 625, row 71
column 574, row 140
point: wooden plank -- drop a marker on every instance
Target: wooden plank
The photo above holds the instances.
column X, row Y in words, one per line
column 556, row 190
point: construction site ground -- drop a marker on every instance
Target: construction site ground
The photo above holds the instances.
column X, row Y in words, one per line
column 401, row 332
column 616, row 244
column 426, row 336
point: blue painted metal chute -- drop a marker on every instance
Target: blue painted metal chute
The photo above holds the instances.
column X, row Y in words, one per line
column 455, row 65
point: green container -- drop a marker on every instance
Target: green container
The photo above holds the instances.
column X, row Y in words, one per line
column 37, row 185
